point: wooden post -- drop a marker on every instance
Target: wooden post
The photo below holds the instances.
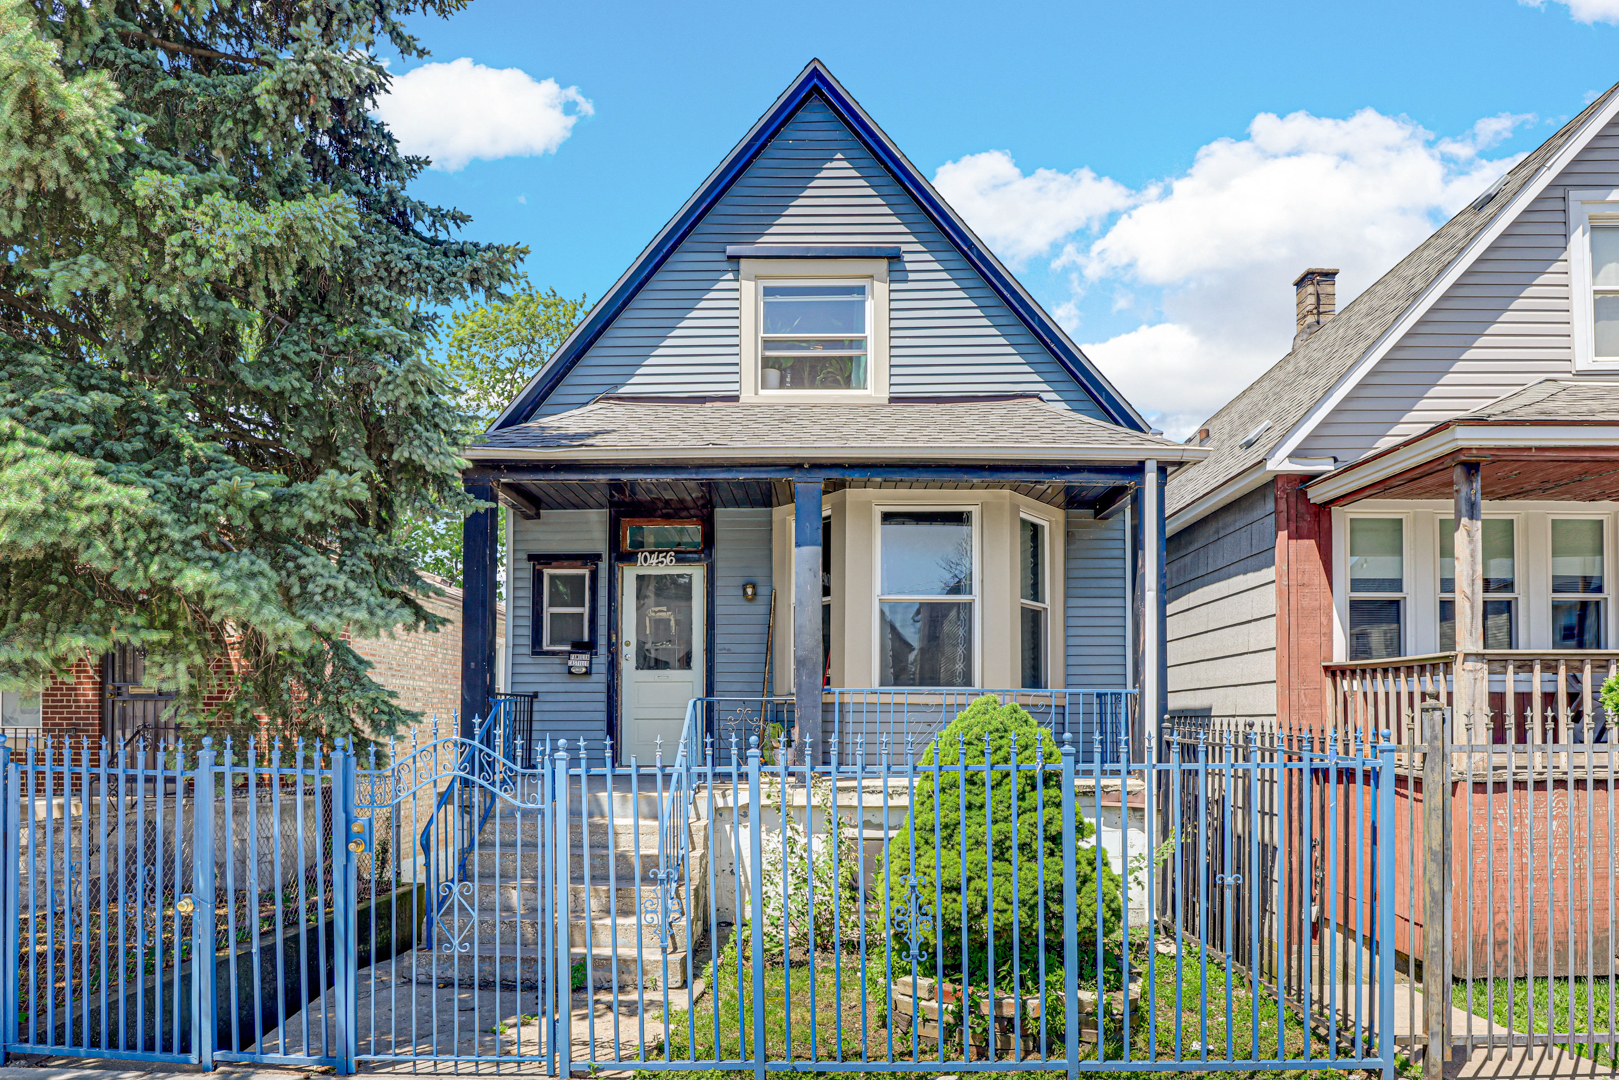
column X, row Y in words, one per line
column 1436, row 878
column 478, row 553
column 1153, row 654
column 808, row 658
column 1472, row 687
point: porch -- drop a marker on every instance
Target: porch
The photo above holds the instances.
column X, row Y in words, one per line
column 904, row 560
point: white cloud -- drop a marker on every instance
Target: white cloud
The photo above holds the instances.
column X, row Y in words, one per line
column 1024, row 216
column 1585, row 11
column 1222, row 243
column 459, row 111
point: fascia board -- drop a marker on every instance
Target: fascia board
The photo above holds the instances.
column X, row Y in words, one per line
column 1460, row 437
column 1255, row 476
column 1525, row 197
column 839, row 454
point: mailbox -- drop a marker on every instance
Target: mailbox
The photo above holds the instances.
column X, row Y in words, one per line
column 579, row 658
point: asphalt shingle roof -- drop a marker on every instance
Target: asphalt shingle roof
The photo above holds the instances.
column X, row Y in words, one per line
column 1286, row 393
column 1556, row 400
column 670, row 430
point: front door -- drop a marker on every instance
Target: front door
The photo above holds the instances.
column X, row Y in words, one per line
column 662, row 656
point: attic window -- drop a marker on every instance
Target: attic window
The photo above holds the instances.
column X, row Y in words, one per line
column 1593, row 263
column 1252, row 437
column 813, row 335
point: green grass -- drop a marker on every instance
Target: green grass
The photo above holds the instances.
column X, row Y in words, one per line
column 1593, row 1008
column 735, row 1012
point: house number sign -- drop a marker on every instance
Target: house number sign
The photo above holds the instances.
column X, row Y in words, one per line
column 654, row 558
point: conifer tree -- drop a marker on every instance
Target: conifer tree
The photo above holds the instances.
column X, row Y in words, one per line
column 217, row 411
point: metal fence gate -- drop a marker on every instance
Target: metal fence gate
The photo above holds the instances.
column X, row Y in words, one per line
column 989, row 902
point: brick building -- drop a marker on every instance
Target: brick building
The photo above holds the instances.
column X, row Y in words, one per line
column 422, row 669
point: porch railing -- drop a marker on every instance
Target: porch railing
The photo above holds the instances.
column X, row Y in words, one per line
column 857, row 722
column 1535, row 696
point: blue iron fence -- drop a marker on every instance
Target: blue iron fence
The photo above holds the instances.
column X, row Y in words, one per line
column 985, row 900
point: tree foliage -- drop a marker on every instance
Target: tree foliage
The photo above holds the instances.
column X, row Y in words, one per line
column 1017, row 860
column 493, row 350
column 217, row 410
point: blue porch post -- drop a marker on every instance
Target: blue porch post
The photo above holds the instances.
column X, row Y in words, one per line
column 807, row 647
column 478, row 553
column 1154, row 672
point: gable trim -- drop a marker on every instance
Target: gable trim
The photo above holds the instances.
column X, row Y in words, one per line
column 1469, row 255
column 816, row 82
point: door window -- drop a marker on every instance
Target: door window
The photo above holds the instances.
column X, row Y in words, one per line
column 663, row 622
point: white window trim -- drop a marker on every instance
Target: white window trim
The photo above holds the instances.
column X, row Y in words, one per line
column 1342, row 595
column 976, row 597
column 1043, row 605
column 1606, row 596
column 1519, row 564
column 1583, row 205
column 546, row 573
column 749, row 308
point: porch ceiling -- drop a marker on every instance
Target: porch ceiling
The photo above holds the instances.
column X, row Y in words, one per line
column 696, row 496
column 1544, row 473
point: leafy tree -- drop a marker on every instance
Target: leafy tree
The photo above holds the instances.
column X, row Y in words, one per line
column 216, row 295
column 493, row 350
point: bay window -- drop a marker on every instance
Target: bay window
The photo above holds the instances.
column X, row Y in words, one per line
column 1034, row 607
column 925, row 598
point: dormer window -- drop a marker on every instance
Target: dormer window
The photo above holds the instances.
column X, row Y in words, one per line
column 1593, row 273
column 812, row 329
column 813, row 335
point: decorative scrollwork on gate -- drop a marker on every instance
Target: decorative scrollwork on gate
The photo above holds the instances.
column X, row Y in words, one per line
column 663, row 907
column 910, row 919
column 454, row 896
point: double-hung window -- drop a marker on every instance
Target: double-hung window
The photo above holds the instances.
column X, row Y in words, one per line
column 1377, row 591
column 1579, row 583
column 1034, row 609
column 1593, row 254
column 1500, row 584
column 814, row 335
column 926, row 594
column 564, row 608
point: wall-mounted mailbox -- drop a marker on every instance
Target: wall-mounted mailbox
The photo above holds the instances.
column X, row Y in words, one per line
column 579, row 658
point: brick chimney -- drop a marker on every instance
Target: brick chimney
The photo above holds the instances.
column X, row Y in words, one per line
column 1315, row 295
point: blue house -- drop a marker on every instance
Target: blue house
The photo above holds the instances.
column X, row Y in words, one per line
column 818, row 454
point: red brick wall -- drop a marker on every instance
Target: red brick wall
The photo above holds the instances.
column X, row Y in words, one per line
column 424, row 670
column 72, row 707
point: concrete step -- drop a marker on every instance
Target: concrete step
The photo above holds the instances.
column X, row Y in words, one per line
column 482, row 968
column 523, row 897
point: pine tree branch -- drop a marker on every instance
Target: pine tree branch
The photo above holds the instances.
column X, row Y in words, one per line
column 67, row 326
column 194, row 50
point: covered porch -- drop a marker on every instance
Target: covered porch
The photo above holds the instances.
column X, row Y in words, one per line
column 680, row 573
column 1474, row 565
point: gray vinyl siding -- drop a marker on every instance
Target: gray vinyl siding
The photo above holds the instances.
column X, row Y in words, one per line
column 1222, row 610
column 569, row 706
column 1095, row 595
column 1506, row 323
column 816, row 183
column 742, row 553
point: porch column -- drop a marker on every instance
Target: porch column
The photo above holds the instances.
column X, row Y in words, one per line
column 1472, row 675
column 807, row 648
column 478, row 553
column 1154, row 625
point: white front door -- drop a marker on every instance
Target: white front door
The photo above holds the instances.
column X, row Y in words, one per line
column 662, row 656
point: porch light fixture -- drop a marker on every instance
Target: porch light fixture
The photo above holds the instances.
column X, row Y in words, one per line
column 749, row 590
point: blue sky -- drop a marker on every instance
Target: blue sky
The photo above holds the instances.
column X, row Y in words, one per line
column 1156, row 174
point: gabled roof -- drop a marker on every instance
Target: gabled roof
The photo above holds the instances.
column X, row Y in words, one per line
column 986, row 429
column 815, row 81
column 1284, row 397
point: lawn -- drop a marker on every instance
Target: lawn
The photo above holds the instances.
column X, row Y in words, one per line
column 1591, row 1000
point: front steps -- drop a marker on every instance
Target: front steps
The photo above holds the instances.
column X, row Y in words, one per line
column 488, row 931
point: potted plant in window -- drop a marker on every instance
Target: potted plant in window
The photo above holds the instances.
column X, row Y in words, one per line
column 771, row 377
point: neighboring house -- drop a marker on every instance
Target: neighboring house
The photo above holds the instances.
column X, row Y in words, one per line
column 1311, row 553
column 114, row 699
column 817, row 394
